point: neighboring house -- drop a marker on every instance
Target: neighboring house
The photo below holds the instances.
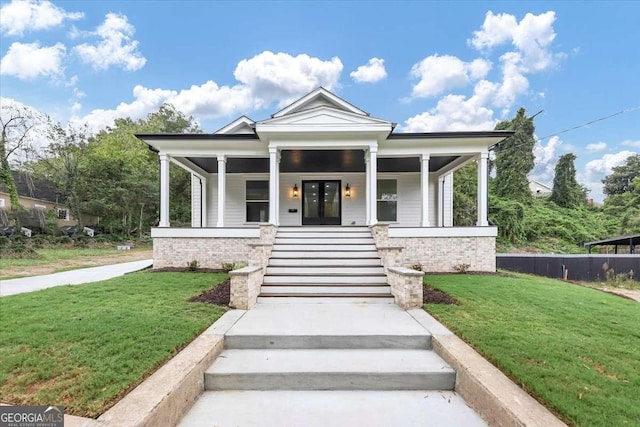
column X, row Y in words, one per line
column 39, row 195
column 323, row 161
column 539, row 189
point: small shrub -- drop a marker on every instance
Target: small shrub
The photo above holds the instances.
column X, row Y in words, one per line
column 230, row 266
column 417, row 267
column 461, row 268
column 193, row 265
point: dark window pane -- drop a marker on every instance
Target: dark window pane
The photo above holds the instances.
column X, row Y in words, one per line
column 257, row 211
column 387, row 211
column 257, row 190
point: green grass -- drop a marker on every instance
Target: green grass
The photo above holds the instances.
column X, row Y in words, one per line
column 577, row 350
column 85, row 346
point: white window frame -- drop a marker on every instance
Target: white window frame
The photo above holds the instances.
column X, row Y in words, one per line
column 387, row 200
column 66, row 211
column 2, row 203
column 247, row 201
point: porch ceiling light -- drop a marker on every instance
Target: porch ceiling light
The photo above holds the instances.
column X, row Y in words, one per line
column 347, row 191
column 295, row 191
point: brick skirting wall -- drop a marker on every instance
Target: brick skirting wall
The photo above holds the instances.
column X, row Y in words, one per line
column 437, row 254
column 209, row 252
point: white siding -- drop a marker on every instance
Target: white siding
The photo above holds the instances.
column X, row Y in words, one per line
column 353, row 208
column 195, row 201
column 212, row 200
column 448, row 200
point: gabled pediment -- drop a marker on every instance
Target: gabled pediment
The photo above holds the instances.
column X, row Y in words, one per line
column 319, row 98
column 323, row 116
column 241, row 125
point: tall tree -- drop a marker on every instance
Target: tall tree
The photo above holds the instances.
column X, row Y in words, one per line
column 465, row 190
column 566, row 190
column 515, row 159
column 621, row 177
column 17, row 123
column 61, row 162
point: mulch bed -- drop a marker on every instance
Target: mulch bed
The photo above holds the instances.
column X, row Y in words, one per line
column 219, row 295
column 434, row 296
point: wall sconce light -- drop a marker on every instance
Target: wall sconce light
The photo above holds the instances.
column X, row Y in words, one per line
column 347, row 191
column 295, row 191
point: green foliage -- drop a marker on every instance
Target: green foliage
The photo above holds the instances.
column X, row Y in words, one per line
column 621, row 178
column 465, row 187
column 626, row 207
column 193, row 265
column 508, row 215
column 566, row 190
column 515, row 159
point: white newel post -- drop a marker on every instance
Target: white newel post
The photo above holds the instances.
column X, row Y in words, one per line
column 373, row 185
column 273, row 185
column 164, row 190
column 222, row 163
column 367, row 187
column 203, row 202
column 482, row 190
column 424, row 174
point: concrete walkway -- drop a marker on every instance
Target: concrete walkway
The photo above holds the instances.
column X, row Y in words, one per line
column 73, row 277
column 328, row 364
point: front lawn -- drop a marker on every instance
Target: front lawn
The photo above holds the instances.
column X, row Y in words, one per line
column 577, row 350
column 85, row 346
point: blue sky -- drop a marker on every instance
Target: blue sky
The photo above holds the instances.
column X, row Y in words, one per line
column 427, row 66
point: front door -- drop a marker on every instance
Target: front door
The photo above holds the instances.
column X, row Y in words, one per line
column 321, row 203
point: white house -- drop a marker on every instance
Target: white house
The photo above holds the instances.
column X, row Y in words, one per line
column 539, row 189
column 321, row 162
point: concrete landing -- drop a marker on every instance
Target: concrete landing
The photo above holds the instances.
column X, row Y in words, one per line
column 331, row 408
column 327, row 319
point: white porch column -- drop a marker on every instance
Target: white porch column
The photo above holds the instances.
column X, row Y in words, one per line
column 273, row 185
column 441, row 201
column 164, row 190
column 482, row 190
column 222, row 172
column 373, row 185
column 424, row 174
column 203, row 202
column 367, row 186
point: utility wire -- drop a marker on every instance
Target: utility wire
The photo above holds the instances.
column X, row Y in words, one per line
column 626, row 110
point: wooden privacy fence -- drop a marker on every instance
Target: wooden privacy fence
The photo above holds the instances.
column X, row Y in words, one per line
column 588, row 268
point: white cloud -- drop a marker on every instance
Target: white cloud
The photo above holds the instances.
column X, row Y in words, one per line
column 282, row 77
column 27, row 61
column 31, row 15
column 440, row 73
column 531, row 37
column 115, row 48
column 595, row 147
column 372, row 72
column 456, row 113
column 264, row 79
column 596, row 170
column 631, row 143
column 546, row 158
column 529, row 50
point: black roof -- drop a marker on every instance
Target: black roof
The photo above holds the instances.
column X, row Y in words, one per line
column 463, row 134
column 633, row 239
column 35, row 188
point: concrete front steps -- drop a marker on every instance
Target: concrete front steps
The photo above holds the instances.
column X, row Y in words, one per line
column 329, row 364
column 324, row 265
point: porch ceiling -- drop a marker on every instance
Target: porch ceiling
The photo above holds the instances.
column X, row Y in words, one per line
column 318, row 161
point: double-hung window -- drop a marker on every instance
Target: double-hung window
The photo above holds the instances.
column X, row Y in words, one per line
column 257, row 201
column 387, row 200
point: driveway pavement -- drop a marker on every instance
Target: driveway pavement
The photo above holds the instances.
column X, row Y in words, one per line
column 73, row 277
